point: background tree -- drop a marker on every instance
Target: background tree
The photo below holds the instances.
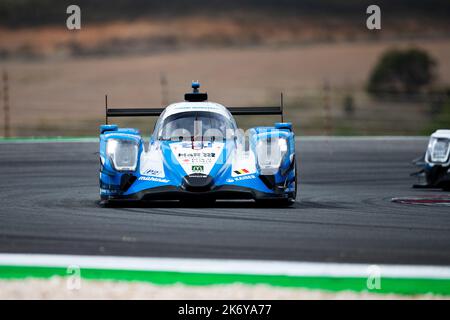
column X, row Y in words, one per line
column 402, row 72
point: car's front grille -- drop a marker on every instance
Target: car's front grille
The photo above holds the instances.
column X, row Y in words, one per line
column 197, row 182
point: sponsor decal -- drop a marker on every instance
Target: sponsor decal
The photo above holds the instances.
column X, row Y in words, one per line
column 108, row 192
column 197, row 161
column 154, row 179
column 197, row 168
column 209, row 154
column 241, row 171
column 153, row 172
column 247, row 177
column 229, row 180
column 197, row 155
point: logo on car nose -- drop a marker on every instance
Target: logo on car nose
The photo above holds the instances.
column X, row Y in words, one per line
column 197, row 168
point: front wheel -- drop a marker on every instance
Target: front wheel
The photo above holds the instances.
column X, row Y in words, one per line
column 293, row 195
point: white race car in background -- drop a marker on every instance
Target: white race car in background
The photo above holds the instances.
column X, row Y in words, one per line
column 435, row 163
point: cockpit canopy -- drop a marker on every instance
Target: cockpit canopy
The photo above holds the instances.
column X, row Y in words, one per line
column 195, row 125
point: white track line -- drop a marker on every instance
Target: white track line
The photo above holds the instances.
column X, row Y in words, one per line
column 259, row 267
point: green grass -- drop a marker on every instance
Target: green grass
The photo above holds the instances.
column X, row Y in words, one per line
column 388, row 285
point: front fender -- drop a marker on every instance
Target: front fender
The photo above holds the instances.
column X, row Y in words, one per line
column 267, row 133
column 112, row 181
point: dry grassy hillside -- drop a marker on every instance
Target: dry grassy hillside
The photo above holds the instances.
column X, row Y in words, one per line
column 156, row 35
column 65, row 97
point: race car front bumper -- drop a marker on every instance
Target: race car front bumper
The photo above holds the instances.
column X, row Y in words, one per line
column 179, row 193
column 433, row 177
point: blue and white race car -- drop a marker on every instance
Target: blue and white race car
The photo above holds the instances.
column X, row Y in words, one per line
column 197, row 152
column 435, row 163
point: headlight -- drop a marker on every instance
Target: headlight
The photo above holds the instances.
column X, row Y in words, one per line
column 438, row 149
column 123, row 154
column 270, row 153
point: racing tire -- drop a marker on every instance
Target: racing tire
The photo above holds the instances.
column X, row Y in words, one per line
column 294, row 194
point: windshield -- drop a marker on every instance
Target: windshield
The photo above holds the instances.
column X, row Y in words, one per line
column 195, row 125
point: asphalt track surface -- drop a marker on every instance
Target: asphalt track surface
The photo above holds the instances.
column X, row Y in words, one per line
column 49, row 204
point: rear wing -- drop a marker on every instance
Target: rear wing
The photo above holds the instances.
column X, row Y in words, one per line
column 248, row 111
column 156, row 112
